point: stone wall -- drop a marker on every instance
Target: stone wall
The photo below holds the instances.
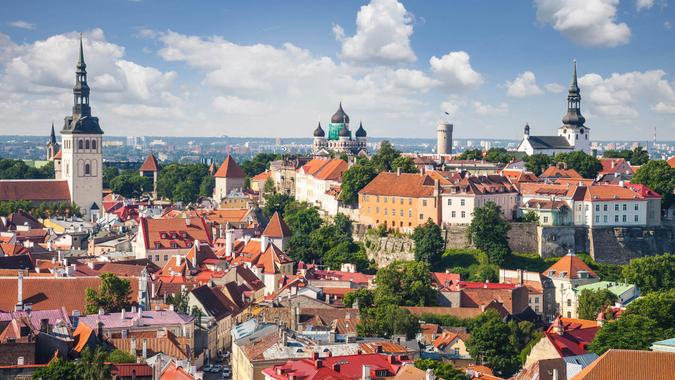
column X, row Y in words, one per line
column 385, row 250
column 523, row 237
column 456, row 237
column 555, row 241
column 620, row 245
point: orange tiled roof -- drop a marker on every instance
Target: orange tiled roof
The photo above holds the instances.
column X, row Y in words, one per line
column 400, row 185
column 230, row 169
column 630, row 364
column 569, row 265
column 445, row 339
column 610, row 193
column 276, row 228
column 50, row 190
column 270, row 260
column 178, row 232
column 556, row 172
column 150, row 164
column 172, row 372
column 671, row 162
column 262, row 177
column 8, row 249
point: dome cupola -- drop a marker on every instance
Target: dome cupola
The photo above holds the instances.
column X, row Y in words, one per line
column 360, row 132
column 318, row 132
column 340, row 116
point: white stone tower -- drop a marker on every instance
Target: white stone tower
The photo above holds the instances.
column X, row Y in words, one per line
column 82, row 155
column 444, row 138
column 573, row 128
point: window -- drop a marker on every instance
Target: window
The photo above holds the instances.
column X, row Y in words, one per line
column 166, row 257
column 616, row 207
column 377, row 198
column 597, row 207
column 625, row 206
column 401, row 212
column 454, row 214
column 401, row 200
column 536, row 299
column 586, row 207
column 401, row 224
column 636, row 218
column 87, row 169
column 377, row 210
column 86, row 144
column 174, row 245
column 449, row 201
column 462, row 202
column 569, row 314
column 616, row 218
column 569, row 302
column 546, row 219
column 604, row 207
column 456, row 351
column 463, row 214
column 156, row 257
column 80, row 144
column 597, row 219
column 636, row 207
column 158, row 245
column 385, row 199
column 604, row 218
column 623, row 218
column 424, row 202
column 409, row 213
column 385, row 211
column 421, row 216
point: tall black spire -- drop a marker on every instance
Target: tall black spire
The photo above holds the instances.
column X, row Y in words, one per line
column 81, row 89
column 52, row 137
column 573, row 116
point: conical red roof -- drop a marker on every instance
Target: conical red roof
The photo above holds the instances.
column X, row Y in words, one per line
column 276, row 228
column 150, row 164
column 230, row 169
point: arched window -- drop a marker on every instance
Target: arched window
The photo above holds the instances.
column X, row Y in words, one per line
column 80, row 144
column 93, row 144
column 87, row 169
column 86, row 144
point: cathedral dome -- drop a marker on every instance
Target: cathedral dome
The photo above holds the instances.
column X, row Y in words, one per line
column 318, row 132
column 360, row 132
column 344, row 132
column 340, row 116
column 573, row 117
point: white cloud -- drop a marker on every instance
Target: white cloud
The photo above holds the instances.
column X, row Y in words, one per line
column 667, row 25
column 586, row 22
column 22, row 24
column 523, row 86
column 555, row 88
column 488, row 109
column 454, row 69
column 383, row 30
column 662, row 107
column 618, row 96
column 240, row 106
column 644, row 4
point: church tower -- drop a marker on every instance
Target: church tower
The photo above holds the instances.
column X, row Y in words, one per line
column 573, row 128
column 82, row 157
column 52, row 145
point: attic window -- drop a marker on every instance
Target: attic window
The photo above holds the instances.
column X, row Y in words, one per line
column 183, row 234
column 163, row 235
column 174, row 235
column 158, row 245
column 174, row 245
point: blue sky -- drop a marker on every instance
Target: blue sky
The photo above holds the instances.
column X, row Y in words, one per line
column 273, row 68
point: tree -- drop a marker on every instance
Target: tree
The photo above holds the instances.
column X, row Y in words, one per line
column 355, row 179
column 182, row 182
column 405, row 164
column 498, row 155
column 592, row 301
column 491, row 342
column 269, row 187
column 364, row 296
column 406, row 283
column 302, row 218
column 109, row 172
column 259, row 163
column 119, row 356
column 659, row 307
column 630, row 331
column 18, row 169
column 387, row 321
column 384, row 158
column 471, row 154
column 179, row 301
column 531, row 217
column 207, row 185
column 442, row 370
column 275, row 202
column 58, row 369
column 113, row 295
column 489, row 232
column 91, row 365
column 429, row 243
column 587, row 165
column 660, row 177
column 537, row 163
column 651, row 273
column 130, row 184
column 637, row 156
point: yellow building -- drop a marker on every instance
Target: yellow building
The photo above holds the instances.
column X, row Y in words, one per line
column 399, row 201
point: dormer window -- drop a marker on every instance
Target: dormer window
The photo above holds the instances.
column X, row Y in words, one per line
column 183, row 234
column 158, row 245
column 174, row 245
column 174, row 235
column 163, row 235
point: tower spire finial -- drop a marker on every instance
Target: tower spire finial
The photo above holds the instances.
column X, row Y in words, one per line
column 80, row 61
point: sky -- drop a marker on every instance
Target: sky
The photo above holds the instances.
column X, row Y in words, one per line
column 277, row 68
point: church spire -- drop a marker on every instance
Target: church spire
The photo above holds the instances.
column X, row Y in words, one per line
column 574, row 87
column 52, row 137
column 81, row 89
column 80, row 63
column 573, row 116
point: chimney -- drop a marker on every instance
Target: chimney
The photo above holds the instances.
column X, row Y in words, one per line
column 187, row 222
column 196, row 245
column 123, row 315
column 378, row 348
column 19, row 291
column 90, row 264
column 429, row 374
column 365, row 372
column 179, row 259
column 44, row 325
column 264, row 241
column 172, row 308
column 398, row 171
column 99, row 331
column 101, row 311
column 70, row 270
column 336, row 367
column 318, row 363
column 555, row 370
column 133, row 346
column 152, row 289
column 229, row 236
column 145, row 348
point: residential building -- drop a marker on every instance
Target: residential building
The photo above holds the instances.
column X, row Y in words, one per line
column 218, row 315
column 126, row 323
column 568, row 273
column 399, row 201
column 625, row 293
column 653, row 202
column 352, row 367
column 314, row 180
column 452, row 345
column 540, row 289
column 229, row 179
column 460, row 197
column 160, row 239
column 564, row 337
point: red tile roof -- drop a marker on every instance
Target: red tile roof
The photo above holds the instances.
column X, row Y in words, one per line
column 611, row 193
column 150, row 164
column 644, row 190
column 615, row 165
column 671, row 162
column 230, row 169
column 443, row 280
column 131, row 369
column 262, row 177
column 568, row 267
column 630, row 364
column 400, row 185
column 350, row 367
column 556, row 172
column 47, row 190
column 8, row 249
column 178, row 232
column 577, row 335
column 173, row 372
column 276, row 228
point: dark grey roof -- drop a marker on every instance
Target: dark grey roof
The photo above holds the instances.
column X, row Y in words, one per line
column 340, row 116
column 82, row 124
column 549, row 142
column 214, row 302
column 318, row 132
column 360, row 132
column 344, row 132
